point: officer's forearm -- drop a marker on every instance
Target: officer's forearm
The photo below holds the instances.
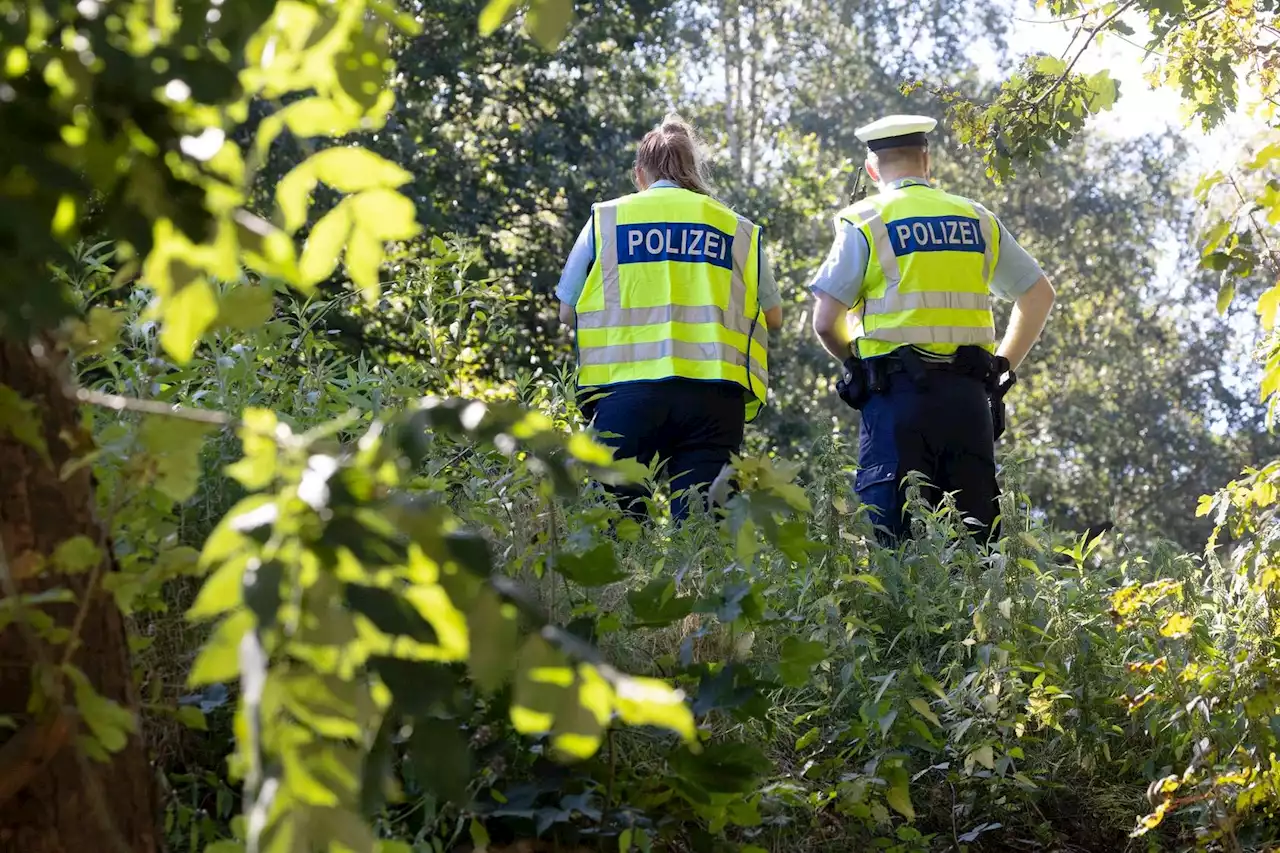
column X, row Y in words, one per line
column 831, row 325
column 836, row 341
column 567, row 314
column 1030, row 313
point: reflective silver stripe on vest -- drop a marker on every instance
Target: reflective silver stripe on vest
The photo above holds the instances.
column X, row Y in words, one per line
column 895, row 300
column 609, row 256
column 935, row 335
column 615, row 315
column 986, row 223
column 885, row 256
column 621, row 317
column 652, row 350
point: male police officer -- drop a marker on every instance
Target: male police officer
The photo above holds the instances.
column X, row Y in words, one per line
column 920, row 266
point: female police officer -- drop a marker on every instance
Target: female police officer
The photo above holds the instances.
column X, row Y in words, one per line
column 922, row 264
column 671, row 298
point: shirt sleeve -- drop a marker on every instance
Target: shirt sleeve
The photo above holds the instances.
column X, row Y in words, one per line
column 767, row 292
column 574, row 276
column 842, row 272
column 1015, row 270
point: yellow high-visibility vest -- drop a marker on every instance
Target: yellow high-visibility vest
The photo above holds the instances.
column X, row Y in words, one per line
column 673, row 292
column 929, row 271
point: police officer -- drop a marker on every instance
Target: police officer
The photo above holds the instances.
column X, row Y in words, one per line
column 672, row 301
column 917, row 267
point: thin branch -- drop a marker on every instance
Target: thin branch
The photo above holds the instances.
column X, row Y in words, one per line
column 1253, row 219
column 117, row 403
column 1092, row 34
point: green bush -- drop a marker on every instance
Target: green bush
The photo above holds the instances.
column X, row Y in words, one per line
column 404, row 680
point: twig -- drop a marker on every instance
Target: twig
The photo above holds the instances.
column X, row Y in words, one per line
column 1092, row 34
column 1253, row 219
column 117, row 403
column 98, row 805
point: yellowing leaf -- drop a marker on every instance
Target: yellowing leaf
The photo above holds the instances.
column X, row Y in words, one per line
column 921, row 707
column 985, row 756
column 1177, row 625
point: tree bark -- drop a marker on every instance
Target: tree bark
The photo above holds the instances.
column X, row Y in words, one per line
column 53, row 798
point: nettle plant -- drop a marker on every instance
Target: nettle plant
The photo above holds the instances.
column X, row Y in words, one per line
column 1206, row 672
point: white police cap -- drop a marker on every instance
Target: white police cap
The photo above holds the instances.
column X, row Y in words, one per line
column 896, row 132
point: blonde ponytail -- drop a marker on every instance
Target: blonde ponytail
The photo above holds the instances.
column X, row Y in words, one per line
column 671, row 151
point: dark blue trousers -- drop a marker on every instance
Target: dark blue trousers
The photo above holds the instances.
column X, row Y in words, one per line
column 941, row 429
column 693, row 426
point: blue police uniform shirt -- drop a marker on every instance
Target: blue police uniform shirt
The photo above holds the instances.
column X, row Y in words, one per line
column 574, row 276
column 842, row 272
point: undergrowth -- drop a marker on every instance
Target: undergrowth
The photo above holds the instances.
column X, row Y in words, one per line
column 937, row 696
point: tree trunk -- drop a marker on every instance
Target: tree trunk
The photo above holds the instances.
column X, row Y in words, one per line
column 53, row 798
column 730, row 30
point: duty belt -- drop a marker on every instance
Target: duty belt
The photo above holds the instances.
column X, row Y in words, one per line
column 862, row 378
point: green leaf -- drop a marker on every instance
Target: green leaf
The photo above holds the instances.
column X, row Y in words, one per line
column 245, row 307
column 723, row 767
column 650, row 702
column 18, row 418
column 493, row 627
column 869, row 580
column 219, row 658
column 420, row 688
column 390, row 613
column 546, row 697
column 441, row 760
column 657, row 604
column 187, row 315
column 76, row 555
column 261, row 591
column 363, row 261
column 324, row 244
column 193, row 718
column 479, row 837
column 385, row 214
column 174, row 445
column 547, row 21
column 109, row 723
column 1103, row 90
column 1265, row 156
column 597, row 567
column 1226, row 293
column 352, row 170
column 314, row 117
column 922, row 708
column 898, row 796
column 1268, row 304
column 495, row 14
column 1050, row 65
column 797, row 658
